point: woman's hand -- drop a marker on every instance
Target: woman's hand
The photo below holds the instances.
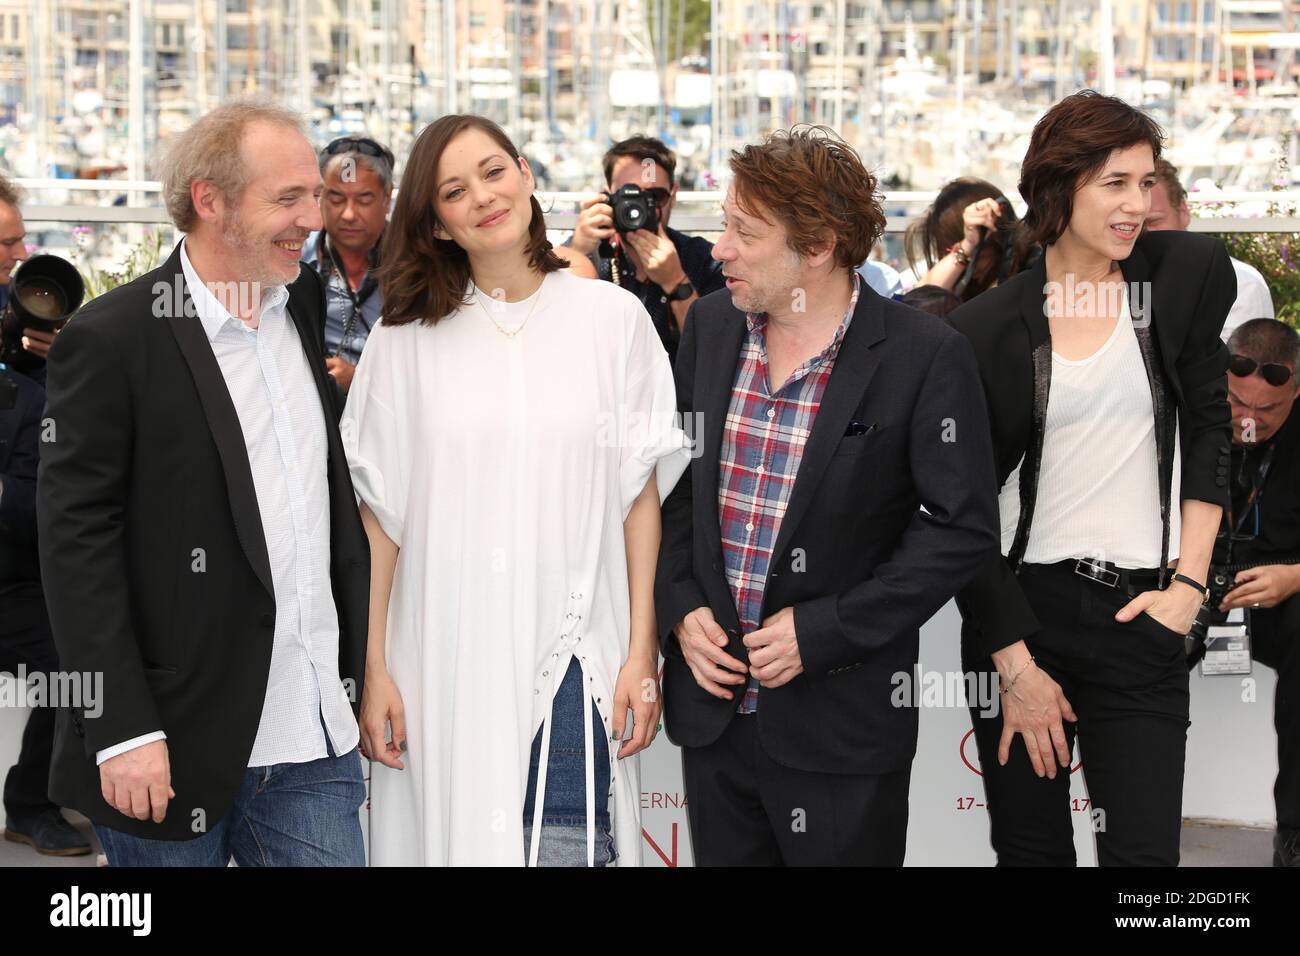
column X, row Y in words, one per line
column 1175, row 607
column 637, row 689
column 978, row 214
column 1033, row 707
column 381, row 705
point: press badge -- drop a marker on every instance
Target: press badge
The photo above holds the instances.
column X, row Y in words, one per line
column 1227, row 646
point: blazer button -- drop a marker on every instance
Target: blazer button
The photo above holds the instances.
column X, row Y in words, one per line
column 267, row 620
column 1220, row 481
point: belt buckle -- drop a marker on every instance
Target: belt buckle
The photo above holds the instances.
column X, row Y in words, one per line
column 1096, row 572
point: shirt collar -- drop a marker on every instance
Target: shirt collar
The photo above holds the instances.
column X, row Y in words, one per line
column 212, row 314
column 316, row 254
column 757, row 323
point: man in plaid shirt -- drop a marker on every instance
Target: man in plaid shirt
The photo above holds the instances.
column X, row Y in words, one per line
column 844, row 490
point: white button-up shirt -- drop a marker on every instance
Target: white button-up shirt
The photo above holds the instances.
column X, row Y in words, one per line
column 283, row 423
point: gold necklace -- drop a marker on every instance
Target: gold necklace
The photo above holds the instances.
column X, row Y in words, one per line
column 510, row 333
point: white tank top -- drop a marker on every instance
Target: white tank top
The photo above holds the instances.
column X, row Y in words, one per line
column 1098, row 484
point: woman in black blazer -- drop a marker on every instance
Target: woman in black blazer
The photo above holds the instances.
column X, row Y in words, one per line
column 1105, row 381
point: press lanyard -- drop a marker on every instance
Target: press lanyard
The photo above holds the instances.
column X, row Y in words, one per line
column 1256, row 491
column 368, row 286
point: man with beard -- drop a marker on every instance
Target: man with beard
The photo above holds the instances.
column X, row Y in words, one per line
column 842, row 493
column 204, row 560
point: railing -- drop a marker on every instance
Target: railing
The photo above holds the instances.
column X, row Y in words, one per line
column 688, row 216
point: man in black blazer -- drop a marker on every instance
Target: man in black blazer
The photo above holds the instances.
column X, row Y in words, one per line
column 204, row 561
column 842, row 493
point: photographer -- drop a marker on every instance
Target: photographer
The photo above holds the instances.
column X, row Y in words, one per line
column 968, row 241
column 358, row 176
column 1265, row 544
column 25, row 639
column 666, row 269
column 13, row 250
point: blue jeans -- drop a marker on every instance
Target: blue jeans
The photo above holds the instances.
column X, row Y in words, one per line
column 564, row 811
column 287, row 814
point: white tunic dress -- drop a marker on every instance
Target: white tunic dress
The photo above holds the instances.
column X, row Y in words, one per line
column 503, row 468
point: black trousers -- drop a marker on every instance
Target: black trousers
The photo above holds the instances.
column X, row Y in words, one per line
column 1128, row 685
column 25, row 639
column 1275, row 634
column 745, row 809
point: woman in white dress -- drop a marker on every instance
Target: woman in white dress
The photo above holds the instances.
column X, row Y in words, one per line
column 511, row 433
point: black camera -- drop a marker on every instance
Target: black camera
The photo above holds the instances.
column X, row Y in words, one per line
column 44, row 293
column 1222, row 579
column 634, row 208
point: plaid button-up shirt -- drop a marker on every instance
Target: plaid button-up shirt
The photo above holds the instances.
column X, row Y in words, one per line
column 762, row 445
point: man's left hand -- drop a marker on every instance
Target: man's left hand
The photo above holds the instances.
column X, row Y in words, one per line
column 774, row 650
column 1266, row 586
column 341, row 369
column 657, row 256
column 38, row 342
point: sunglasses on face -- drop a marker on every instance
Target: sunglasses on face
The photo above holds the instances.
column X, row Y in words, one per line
column 358, row 144
column 1273, row 373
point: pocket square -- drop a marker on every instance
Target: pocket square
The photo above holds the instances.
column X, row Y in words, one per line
column 859, row 428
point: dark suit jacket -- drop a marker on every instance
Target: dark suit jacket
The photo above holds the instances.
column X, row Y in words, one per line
column 149, row 463
column 1192, row 287
column 859, row 561
column 22, row 604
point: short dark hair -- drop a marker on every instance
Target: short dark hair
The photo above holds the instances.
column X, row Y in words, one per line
column 642, row 148
column 1167, row 176
column 1266, row 340
column 1070, row 144
column 934, row 299
column 9, row 192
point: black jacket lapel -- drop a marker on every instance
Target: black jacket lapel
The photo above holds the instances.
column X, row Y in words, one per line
column 224, row 424
column 1033, row 303
column 854, row 368
column 714, row 398
column 300, row 310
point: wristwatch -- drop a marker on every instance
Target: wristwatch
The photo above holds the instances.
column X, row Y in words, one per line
column 683, row 291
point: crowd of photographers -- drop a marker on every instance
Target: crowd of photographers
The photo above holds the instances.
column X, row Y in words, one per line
column 966, row 243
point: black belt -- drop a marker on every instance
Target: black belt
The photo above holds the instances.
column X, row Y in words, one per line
column 1132, row 581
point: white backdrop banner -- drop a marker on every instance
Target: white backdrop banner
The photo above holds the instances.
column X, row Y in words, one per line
column 1231, row 763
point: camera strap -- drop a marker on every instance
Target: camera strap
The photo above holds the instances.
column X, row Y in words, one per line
column 1237, row 522
column 358, row 298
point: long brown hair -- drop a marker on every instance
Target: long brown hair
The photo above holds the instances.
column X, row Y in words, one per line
column 941, row 226
column 423, row 278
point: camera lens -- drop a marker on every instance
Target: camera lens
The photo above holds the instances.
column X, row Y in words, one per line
column 42, row 298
